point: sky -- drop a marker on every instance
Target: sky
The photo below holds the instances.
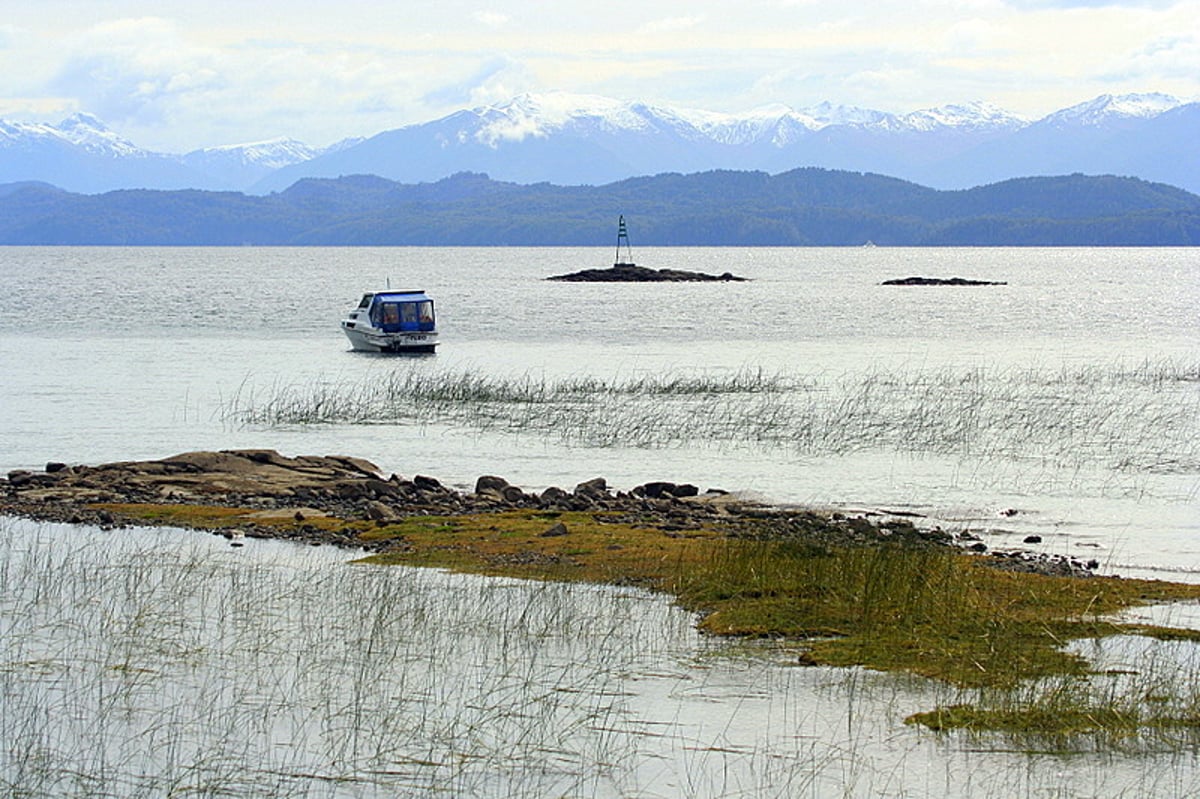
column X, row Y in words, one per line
column 177, row 76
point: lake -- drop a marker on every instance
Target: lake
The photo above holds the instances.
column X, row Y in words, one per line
column 1065, row 404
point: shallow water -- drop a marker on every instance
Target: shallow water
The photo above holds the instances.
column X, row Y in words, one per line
column 151, row 662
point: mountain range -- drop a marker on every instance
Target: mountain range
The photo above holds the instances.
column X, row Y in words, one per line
column 802, row 207
column 568, row 139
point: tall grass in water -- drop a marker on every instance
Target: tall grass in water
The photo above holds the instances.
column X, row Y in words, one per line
column 159, row 668
column 1127, row 417
column 171, row 670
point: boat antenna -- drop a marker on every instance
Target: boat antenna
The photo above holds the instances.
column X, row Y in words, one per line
column 623, row 238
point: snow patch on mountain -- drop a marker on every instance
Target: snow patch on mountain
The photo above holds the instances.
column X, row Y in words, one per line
column 969, row 116
column 776, row 123
column 541, row 115
column 1107, row 107
column 88, row 132
column 81, row 130
column 533, row 116
column 12, row 133
column 827, row 114
column 271, row 154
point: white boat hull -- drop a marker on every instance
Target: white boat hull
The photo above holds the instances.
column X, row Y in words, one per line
column 369, row 339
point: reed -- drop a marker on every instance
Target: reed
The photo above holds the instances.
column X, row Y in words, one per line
column 171, row 669
column 1127, row 418
column 1151, row 703
column 178, row 670
column 933, row 612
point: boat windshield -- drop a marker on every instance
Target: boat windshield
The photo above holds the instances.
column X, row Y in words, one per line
column 393, row 316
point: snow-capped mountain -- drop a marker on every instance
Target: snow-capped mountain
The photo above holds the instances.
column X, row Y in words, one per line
column 88, row 132
column 971, row 116
column 82, row 154
column 574, row 139
column 1108, row 108
column 571, row 139
column 242, row 165
column 1150, row 136
column 83, row 131
column 271, row 154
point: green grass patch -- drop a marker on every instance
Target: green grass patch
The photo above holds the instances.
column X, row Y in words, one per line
column 934, row 612
column 1071, row 715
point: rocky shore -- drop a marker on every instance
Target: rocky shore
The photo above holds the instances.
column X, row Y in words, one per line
column 306, row 489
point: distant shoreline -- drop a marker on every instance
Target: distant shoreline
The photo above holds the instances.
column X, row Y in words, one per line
column 804, row 207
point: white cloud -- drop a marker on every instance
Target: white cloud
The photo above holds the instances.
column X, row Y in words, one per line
column 668, row 25
column 321, row 70
column 494, row 80
column 134, row 70
column 8, row 35
column 1092, row 3
column 491, row 19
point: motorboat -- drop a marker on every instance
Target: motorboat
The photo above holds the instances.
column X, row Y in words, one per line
column 392, row 321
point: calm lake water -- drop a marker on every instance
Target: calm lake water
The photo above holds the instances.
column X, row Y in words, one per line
column 1065, row 403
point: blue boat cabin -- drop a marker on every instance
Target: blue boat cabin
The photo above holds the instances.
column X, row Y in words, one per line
column 396, row 311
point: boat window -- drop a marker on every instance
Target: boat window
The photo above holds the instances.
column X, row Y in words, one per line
column 398, row 315
column 425, row 315
column 366, row 300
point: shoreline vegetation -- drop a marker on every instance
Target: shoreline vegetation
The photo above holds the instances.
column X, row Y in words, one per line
column 871, row 590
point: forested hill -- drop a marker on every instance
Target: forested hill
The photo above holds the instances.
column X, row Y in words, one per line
column 804, row 207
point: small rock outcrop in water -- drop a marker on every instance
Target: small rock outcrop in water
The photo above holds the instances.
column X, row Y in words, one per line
column 630, row 273
column 940, row 281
